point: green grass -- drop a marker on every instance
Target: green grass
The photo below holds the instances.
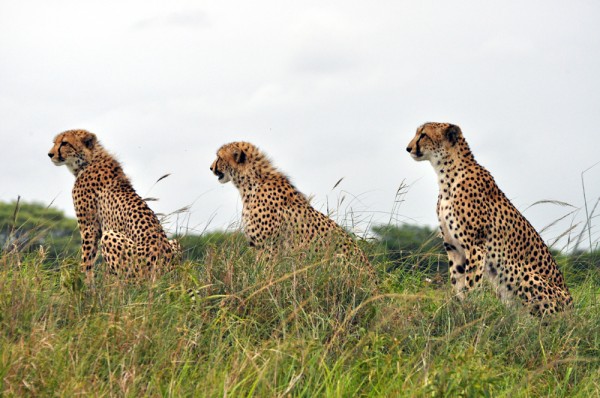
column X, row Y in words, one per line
column 299, row 327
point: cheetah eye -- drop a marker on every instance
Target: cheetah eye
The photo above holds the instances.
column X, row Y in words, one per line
column 65, row 143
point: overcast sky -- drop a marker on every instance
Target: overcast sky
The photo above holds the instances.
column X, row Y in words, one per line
column 329, row 89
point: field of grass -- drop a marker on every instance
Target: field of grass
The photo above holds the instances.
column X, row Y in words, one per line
column 298, row 327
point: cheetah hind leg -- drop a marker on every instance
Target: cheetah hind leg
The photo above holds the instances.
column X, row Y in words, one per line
column 542, row 298
column 118, row 253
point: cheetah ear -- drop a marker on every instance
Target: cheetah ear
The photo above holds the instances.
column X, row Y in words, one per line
column 239, row 156
column 452, row 134
column 89, row 140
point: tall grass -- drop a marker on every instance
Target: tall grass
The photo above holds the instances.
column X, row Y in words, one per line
column 300, row 326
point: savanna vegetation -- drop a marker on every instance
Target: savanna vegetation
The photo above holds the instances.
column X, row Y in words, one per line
column 300, row 326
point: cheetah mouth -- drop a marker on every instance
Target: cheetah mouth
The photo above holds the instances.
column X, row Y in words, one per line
column 219, row 175
column 417, row 155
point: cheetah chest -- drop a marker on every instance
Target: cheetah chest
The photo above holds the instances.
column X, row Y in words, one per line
column 449, row 225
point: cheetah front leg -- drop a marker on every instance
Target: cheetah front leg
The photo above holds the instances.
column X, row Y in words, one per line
column 465, row 267
column 474, row 267
column 90, row 235
column 456, row 268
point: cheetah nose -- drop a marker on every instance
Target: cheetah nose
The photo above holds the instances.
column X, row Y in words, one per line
column 409, row 149
column 50, row 155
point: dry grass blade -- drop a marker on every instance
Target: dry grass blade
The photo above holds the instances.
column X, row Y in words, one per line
column 552, row 202
column 184, row 209
column 553, row 223
column 153, row 185
column 585, row 202
column 150, row 199
column 567, row 232
column 15, row 213
column 398, row 200
column 337, row 183
column 587, row 226
column 162, row 178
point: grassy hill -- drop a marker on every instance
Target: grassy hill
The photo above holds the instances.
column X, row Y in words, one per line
column 300, row 326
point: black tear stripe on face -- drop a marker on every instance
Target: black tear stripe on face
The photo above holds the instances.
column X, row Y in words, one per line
column 63, row 143
column 216, row 170
column 419, row 153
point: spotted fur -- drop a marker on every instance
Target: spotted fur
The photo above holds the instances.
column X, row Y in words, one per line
column 276, row 216
column 485, row 236
column 110, row 211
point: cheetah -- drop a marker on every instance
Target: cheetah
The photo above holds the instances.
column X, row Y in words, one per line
column 484, row 235
column 110, row 211
column 276, row 217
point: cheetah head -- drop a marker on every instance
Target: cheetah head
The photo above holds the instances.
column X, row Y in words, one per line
column 432, row 140
column 73, row 148
column 232, row 161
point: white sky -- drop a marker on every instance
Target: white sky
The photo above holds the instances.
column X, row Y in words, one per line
column 329, row 89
